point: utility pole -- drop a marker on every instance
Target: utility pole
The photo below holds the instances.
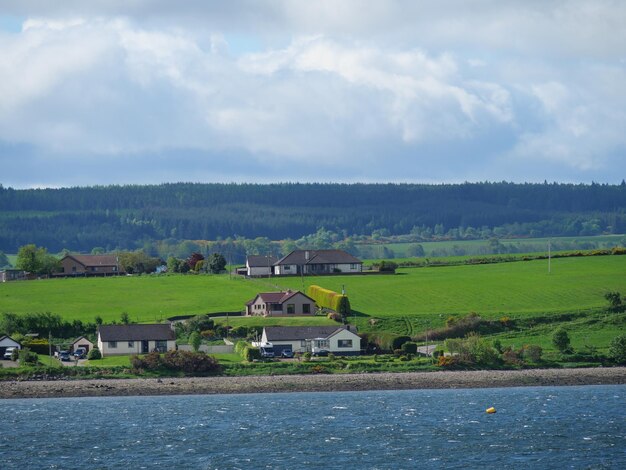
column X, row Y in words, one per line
column 49, row 346
column 549, row 257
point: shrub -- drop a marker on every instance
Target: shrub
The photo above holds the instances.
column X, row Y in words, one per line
column 189, row 362
column 195, row 340
column 334, row 316
column 387, row 267
column 331, row 357
column 560, row 339
column 512, row 356
column 617, row 349
column 398, row 341
column 409, row 348
column 306, row 357
column 94, row 354
column 26, row 356
column 199, row 323
column 532, row 352
column 250, row 353
column 447, row 361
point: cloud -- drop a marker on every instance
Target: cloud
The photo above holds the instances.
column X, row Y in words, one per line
column 401, row 90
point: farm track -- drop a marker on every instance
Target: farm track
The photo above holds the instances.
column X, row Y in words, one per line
column 409, row 326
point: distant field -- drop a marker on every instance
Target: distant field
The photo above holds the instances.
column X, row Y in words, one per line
column 474, row 247
column 491, row 290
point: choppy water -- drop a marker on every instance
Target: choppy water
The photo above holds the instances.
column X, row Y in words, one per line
column 542, row 427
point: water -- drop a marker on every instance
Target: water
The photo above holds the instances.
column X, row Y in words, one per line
column 541, row 427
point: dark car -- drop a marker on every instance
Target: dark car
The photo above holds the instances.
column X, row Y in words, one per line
column 287, row 353
column 64, row 356
column 80, row 353
column 321, row 353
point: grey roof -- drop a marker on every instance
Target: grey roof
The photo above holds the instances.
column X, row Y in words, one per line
column 153, row 332
column 256, row 261
column 318, row 257
column 277, row 297
column 286, row 333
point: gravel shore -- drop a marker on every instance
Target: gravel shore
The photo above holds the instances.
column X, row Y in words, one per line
column 311, row 383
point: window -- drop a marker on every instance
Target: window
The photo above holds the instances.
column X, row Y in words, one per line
column 112, row 344
column 303, row 343
column 114, row 268
column 161, row 345
column 287, row 268
column 321, row 343
column 291, row 308
column 306, row 308
column 131, row 344
column 344, row 343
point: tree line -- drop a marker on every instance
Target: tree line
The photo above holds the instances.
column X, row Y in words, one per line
column 131, row 217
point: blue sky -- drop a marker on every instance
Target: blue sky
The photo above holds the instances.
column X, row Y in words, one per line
column 105, row 92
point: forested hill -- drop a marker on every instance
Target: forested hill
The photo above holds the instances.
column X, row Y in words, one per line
column 127, row 216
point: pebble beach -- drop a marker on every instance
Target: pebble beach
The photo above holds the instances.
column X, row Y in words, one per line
column 311, row 383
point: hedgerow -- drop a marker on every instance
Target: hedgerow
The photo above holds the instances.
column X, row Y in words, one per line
column 330, row 299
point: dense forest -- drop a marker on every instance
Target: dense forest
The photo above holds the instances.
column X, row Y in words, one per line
column 129, row 217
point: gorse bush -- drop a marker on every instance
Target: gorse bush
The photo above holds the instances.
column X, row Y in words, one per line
column 176, row 361
column 94, row 354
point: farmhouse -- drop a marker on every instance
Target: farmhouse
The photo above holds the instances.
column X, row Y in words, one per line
column 135, row 339
column 259, row 265
column 8, row 342
column 301, row 262
column 281, row 303
column 340, row 340
column 90, row 265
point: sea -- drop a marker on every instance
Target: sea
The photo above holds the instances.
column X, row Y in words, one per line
column 533, row 427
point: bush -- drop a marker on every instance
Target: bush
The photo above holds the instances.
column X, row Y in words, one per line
column 532, row 352
column 250, row 353
column 306, row 357
column 387, row 267
column 617, row 349
column 560, row 339
column 94, row 354
column 334, row 316
column 398, row 341
column 39, row 346
column 185, row 361
column 448, row 361
column 26, row 356
column 409, row 348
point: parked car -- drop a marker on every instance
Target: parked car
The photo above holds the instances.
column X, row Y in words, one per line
column 64, row 356
column 287, row 353
column 321, row 352
column 8, row 352
column 80, row 353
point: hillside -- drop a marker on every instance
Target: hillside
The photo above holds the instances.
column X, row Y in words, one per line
column 130, row 216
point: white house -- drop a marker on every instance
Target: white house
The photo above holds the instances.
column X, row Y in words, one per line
column 314, row 262
column 135, row 339
column 339, row 340
column 287, row 303
column 7, row 342
column 259, row 265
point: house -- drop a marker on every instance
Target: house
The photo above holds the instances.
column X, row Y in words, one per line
column 281, row 303
column 315, row 262
column 90, row 265
column 7, row 342
column 13, row 275
column 300, row 262
column 81, row 342
column 135, row 339
column 339, row 340
column 259, row 265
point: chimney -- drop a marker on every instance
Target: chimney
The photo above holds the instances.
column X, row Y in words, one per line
column 306, row 255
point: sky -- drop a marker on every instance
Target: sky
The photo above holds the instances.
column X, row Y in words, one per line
column 261, row 91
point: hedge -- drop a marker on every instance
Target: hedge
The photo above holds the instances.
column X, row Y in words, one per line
column 329, row 299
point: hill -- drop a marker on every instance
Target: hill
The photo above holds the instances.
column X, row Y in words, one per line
column 130, row 216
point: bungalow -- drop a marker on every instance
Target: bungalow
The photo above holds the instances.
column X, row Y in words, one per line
column 340, row 340
column 314, row 262
column 259, row 265
column 135, row 339
column 7, row 342
column 281, row 303
column 90, row 265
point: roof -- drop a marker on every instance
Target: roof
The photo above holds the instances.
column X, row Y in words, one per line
column 286, row 333
column 95, row 260
column 81, row 338
column 318, row 257
column 160, row 331
column 10, row 339
column 256, row 261
column 277, row 297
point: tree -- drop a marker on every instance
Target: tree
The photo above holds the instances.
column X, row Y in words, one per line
column 193, row 260
column 561, row 341
column 124, row 318
column 195, row 339
column 416, row 250
column 36, row 260
column 615, row 301
column 217, row 263
column 617, row 349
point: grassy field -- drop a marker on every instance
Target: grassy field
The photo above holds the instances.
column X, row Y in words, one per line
column 492, row 290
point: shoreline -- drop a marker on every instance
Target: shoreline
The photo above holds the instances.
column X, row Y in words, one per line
column 312, row 383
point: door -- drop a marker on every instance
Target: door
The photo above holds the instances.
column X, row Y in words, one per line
column 145, row 347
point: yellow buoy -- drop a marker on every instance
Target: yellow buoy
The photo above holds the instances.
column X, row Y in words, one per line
column 491, row 410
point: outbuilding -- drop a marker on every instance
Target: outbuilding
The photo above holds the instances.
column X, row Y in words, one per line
column 8, row 342
column 82, row 342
